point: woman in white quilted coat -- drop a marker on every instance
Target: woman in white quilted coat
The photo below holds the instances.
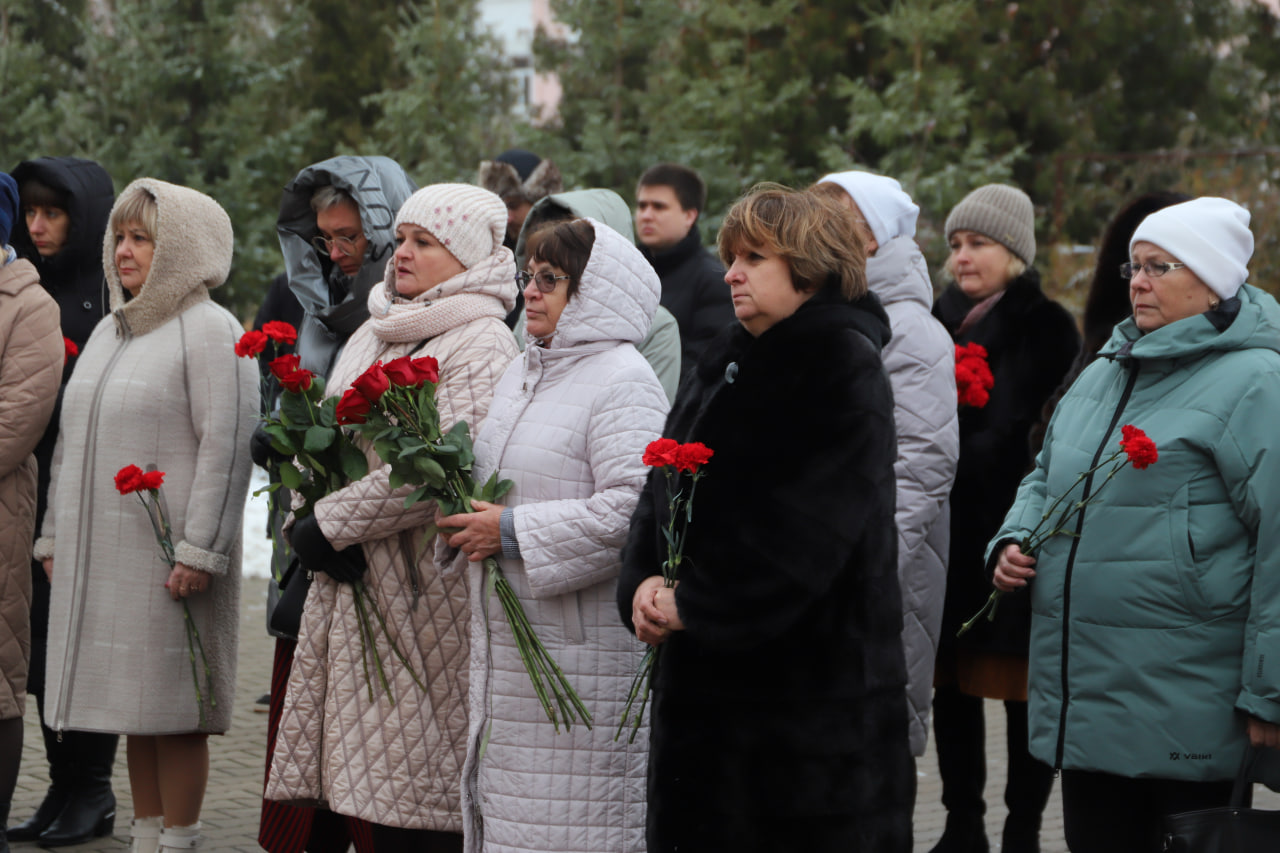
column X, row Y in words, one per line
column 569, row 424
column 396, row 760
column 157, row 383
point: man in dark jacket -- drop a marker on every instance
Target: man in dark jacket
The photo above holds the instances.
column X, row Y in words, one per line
column 669, row 198
column 65, row 205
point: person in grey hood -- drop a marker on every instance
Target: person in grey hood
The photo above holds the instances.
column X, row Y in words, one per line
column 661, row 348
column 336, row 245
column 337, row 232
column 920, row 360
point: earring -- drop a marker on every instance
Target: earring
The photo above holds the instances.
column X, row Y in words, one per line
column 1213, row 304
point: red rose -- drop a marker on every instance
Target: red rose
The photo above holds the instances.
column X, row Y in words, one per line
column 373, row 383
column 69, row 346
column 250, row 344
column 400, row 372
column 690, row 457
column 661, row 452
column 352, row 407
column 1140, row 449
column 428, row 369
column 129, row 479
column 290, row 375
column 283, row 365
column 152, row 480
column 280, row 332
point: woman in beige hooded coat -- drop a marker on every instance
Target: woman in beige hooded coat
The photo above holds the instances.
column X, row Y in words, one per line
column 158, row 383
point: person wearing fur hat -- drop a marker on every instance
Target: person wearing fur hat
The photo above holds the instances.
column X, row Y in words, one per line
column 31, row 356
column 158, row 384
column 65, row 205
column 520, row 178
column 395, row 758
column 1177, row 564
column 920, row 359
column 995, row 301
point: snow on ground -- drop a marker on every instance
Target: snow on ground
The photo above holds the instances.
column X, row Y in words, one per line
column 257, row 546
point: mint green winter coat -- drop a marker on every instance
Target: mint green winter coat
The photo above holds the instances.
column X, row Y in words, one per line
column 1160, row 624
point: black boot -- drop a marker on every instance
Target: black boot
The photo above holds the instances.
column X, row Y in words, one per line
column 90, row 811
column 959, row 737
column 1027, row 791
column 61, row 773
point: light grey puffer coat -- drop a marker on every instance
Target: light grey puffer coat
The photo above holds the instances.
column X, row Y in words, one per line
column 159, row 384
column 920, row 359
column 568, row 424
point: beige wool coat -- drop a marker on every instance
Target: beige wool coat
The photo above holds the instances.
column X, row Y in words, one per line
column 395, row 765
column 158, row 383
column 31, row 356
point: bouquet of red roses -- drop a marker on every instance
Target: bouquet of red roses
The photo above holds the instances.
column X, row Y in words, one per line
column 393, row 406
column 973, row 376
column 1136, row 449
column 146, row 485
column 305, row 426
column 674, row 460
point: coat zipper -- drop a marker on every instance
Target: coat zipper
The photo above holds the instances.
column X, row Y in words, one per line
column 85, row 523
column 1071, row 560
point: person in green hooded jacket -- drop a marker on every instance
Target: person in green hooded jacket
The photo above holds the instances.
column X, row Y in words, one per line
column 1155, row 637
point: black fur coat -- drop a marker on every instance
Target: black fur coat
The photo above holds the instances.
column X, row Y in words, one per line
column 1031, row 342
column 778, row 715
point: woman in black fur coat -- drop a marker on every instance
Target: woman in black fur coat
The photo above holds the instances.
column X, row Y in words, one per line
column 778, row 713
column 1031, row 342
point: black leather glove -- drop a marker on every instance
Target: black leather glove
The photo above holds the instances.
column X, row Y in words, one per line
column 317, row 555
column 260, row 449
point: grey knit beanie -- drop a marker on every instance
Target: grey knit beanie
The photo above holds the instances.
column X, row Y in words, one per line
column 468, row 221
column 1001, row 212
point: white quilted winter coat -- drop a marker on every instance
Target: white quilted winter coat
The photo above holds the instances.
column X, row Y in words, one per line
column 397, row 766
column 157, row 383
column 920, row 360
column 569, row 424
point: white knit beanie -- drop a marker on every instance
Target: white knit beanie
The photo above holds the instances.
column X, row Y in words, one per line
column 1210, row 235
column 468, row 221
column 888, row 210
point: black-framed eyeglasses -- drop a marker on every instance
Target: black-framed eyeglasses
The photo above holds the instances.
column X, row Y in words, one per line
column 545, row 280
column 346, row 245
column 1153, row 269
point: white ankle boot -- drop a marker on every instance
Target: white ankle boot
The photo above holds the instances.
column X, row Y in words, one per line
column 144, row 834
column 180, row 838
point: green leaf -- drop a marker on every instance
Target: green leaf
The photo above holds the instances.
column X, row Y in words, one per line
column 416, row 495
column 295, row 410
column 430, row 469
column 290, row 477
column 281, row 439
column 395, row 480
column 354, row 463
column 318, row 438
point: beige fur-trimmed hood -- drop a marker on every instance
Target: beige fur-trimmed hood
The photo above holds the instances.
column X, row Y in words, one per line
column 193, row 248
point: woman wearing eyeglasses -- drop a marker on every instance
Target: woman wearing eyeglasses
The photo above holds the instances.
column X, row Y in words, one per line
column 395, row 758
column 1156, row 631
column 995, row 301
column 569, row 424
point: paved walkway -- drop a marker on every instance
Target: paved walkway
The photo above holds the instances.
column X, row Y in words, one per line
column 231, row 806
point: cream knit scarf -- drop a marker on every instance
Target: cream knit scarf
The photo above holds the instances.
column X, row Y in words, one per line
column 488, row 289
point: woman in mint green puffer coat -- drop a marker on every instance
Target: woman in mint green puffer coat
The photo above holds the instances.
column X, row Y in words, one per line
column 1155, row 639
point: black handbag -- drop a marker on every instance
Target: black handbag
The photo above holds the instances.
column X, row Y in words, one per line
column 287, row 616
column 1236, row 828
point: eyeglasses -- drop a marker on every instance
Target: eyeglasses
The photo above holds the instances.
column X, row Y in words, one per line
column 545, row 280
column 1153, row 269
column 346, row 245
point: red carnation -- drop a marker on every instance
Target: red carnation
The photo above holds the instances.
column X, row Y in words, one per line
column 250, row 344
column 129, row 479
column 292, row 377
column 373, row 383
column 152, row 480
column 661, row 452
column 973, row 376
column 352, row 407
column 280, row 332
column 1140, row 449
column 690, row 457
column 69, row 346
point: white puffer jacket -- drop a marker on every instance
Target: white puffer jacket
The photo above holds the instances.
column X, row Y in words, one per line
column 569, row 424
column 920, row 359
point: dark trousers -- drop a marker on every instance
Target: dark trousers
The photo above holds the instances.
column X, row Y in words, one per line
column 1103, row 813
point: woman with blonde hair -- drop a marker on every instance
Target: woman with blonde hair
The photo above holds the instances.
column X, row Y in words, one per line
column 779, row 718
column 158, row 384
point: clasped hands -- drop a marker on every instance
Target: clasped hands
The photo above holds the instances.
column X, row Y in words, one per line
column 653, row 611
